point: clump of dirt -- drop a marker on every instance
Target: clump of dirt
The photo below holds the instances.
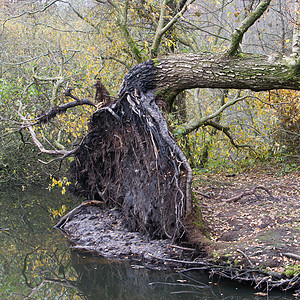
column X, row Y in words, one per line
column 129, row 160
column 253, row 218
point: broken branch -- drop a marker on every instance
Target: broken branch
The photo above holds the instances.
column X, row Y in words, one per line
column 248, row 193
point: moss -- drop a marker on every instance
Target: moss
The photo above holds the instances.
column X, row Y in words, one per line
column 196, row 229
column 292, row 270
column 155, row 61
column 198, row 221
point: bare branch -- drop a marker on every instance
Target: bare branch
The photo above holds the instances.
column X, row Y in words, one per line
column 217, row 36
column 79, row 15
column 28, row 13
column 248, row 193
column 296, row 30
column 237, row 35
column 117, row 60
column 54, row 111
column 225, row 130
column 28, row 126
column 194, row 124
column 292, row 255
column 161, row 28
column 25, row 61
column 45, row 117
column 65, row 153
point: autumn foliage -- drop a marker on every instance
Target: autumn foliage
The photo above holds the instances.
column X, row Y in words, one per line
column 286, row 105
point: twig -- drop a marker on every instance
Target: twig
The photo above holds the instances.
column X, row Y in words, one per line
column 264, row 279
column 182, row 248
column 186, row 262
column 206, row 195
column 181, row 284
column 292, row 255
column 246, row 256
column 74, row 211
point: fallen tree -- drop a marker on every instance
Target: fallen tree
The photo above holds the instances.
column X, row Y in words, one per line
column 129, row 159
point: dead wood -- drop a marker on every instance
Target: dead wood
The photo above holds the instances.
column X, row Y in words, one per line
column 246, row 256
column 292, row 255
column 75, row 211
column 102, row 95
column 45, row 117
column 248, row 193
column 259, row 278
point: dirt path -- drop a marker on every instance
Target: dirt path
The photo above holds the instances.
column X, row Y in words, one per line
column 253, row 218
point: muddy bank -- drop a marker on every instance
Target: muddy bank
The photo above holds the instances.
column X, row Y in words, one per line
column 264, row 223
column 102, row 232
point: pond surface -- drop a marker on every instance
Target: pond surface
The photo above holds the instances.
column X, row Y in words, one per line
column 36, row 262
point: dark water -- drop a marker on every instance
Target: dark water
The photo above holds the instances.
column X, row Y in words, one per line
column 36, row 263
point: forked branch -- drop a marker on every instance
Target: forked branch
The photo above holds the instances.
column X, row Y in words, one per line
column 196, row 123
column 47, row 116
column 54, row 111
column 162, row 28
column 237, row 35
column 248, row 193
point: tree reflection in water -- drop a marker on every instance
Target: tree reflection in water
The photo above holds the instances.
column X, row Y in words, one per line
column 99, row 278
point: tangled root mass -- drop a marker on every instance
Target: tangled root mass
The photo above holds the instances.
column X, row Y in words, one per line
column 129, row 160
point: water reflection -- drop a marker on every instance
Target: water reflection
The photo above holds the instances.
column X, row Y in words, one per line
column 103, row 279
column 31, row 252
column 36, row 263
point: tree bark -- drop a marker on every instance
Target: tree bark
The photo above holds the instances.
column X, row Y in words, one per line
column 170, row 75
column 296, row 31
column 246, row 71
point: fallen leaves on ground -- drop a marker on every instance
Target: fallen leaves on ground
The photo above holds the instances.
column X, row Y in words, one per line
column 258, row 228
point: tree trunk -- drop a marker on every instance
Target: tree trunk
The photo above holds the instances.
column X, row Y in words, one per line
column 252, row 72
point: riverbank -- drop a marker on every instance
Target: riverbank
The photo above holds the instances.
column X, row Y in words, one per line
column 252, row 220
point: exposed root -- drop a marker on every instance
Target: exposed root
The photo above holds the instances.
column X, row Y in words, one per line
column 130, row 161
